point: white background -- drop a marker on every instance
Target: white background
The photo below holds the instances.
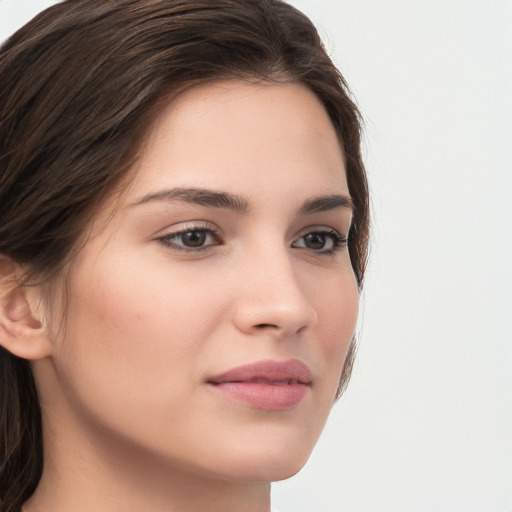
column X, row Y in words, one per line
column 426, row 424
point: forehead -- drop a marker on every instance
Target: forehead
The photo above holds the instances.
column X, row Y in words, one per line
column 242, row 136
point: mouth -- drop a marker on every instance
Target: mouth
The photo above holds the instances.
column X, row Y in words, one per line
column 267, row 385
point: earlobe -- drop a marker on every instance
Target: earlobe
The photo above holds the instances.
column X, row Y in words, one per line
column 21, row 333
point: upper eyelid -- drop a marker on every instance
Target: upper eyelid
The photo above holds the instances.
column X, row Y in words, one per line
column 326, row 231
column 324, row 228
column 204, row 225
column 183, row 227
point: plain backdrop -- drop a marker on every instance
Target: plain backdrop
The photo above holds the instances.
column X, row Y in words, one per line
column 426, row 424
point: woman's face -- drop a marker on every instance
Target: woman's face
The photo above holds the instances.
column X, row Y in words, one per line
column 210, row 312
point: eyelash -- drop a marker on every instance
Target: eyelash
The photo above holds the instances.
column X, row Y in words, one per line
column 339, row 242
column 167, row 240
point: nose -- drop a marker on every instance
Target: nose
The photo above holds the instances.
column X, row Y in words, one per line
column 271, row 299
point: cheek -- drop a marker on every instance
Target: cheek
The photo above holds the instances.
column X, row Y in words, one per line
column 337, row 306
column 131, row 335
column 131, row 296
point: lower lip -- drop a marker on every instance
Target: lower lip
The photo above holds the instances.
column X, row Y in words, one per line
column 269, row 397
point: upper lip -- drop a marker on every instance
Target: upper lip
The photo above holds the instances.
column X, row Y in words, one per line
column 291, row 371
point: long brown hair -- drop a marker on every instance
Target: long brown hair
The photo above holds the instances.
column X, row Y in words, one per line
column 78, row 86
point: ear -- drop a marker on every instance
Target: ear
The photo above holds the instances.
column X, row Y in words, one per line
column 21, row 331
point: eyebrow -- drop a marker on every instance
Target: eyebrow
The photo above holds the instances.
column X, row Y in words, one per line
column 200, row 196
column 326, row 203
column 217, row 199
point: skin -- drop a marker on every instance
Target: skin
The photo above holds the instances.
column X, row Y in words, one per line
column 130, row 423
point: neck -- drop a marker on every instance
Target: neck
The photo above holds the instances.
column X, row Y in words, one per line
column 84, row 473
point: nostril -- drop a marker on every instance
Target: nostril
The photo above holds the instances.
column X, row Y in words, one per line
column 265, row 326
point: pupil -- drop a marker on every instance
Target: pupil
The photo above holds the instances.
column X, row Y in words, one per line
column 315, row 240
column 194, row 238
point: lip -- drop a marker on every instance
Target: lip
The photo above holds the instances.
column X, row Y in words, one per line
column 268, row 385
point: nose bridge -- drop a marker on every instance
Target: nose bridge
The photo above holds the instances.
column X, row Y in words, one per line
column 271, row 296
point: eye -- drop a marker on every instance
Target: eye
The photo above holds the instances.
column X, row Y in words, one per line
column 322, row 241
column 191, row 239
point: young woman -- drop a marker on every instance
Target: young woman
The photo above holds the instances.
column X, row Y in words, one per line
column 183, row 235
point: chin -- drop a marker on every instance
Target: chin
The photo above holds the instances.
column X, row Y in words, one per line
column 275, row 470
column 266, row 463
